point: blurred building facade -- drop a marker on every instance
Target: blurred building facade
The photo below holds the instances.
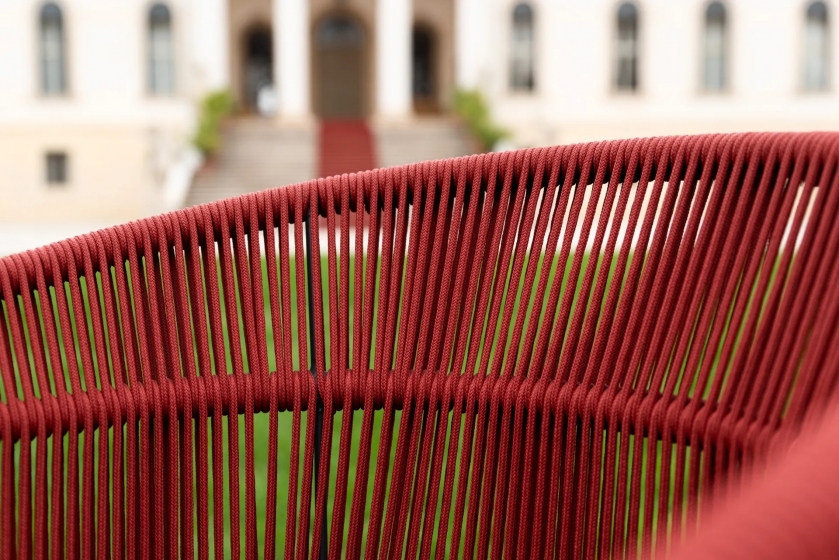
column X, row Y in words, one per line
column 98, row 98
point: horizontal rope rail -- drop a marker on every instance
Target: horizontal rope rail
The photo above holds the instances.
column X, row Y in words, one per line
column 197, row 396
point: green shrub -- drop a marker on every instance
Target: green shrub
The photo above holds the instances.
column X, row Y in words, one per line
column 214, row 107
column 471, row 106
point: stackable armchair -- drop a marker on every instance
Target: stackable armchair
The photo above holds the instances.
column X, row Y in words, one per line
column 597, row 350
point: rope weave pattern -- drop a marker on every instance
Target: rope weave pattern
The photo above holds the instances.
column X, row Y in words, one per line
column 572, row 351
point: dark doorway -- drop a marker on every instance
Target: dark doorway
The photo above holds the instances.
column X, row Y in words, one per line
column 258, row 65
column 423, row 79
column 340, row 69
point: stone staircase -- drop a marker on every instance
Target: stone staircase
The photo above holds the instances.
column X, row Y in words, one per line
column 421, row 140
column 257, row 154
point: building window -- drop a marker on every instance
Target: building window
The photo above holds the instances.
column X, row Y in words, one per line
column 714, row 77
column 56, row 168
column 422, row 52
column 626, row 75
column 53, row 71
column 161, row 51
column 521, row 49
column 816, row 48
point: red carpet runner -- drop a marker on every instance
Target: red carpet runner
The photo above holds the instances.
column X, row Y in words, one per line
column 344, row 146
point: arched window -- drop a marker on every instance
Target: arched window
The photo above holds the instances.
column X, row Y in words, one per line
column 714, row 71
column 816, row 48
column 53, row 71
column 258, row 63
column 422, row 53
column 521, row 49
column 626, row 76
column 161, row 51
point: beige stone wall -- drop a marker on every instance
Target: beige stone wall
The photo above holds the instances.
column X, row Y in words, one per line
column 110, row 171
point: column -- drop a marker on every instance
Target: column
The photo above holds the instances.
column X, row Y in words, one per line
column 291, row 59
column 471, row 24
column 394, row 20
column 209, row 44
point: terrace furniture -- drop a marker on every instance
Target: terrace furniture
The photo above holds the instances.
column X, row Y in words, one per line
column 593, row 350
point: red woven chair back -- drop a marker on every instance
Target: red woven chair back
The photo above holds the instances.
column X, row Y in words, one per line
column 559, row 352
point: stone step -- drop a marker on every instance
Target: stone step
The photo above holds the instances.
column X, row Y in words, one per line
column 258, row 154
column 422, row 141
